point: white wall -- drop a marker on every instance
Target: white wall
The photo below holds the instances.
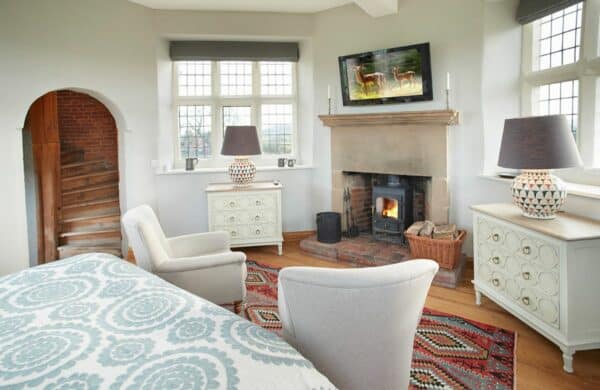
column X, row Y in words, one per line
column 106, row 47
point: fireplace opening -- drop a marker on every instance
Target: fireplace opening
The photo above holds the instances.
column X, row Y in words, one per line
column 382, row 205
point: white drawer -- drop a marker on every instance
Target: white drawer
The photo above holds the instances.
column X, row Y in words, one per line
column 260, row 232
column 520, row 267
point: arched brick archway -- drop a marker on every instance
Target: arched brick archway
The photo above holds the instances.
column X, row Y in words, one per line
column 74, row 170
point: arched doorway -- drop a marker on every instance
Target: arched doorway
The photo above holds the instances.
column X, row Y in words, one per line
column 70, row 149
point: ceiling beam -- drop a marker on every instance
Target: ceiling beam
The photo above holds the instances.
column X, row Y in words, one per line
column 377, row 8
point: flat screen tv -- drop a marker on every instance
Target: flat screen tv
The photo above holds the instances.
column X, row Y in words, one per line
column 397, row 75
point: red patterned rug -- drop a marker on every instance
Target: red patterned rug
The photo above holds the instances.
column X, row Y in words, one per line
column 450, row 352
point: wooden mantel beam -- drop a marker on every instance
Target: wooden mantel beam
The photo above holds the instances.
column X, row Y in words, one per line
column 437, row 117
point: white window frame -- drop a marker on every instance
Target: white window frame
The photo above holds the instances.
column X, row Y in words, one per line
column 587, row 71
column 216, row 101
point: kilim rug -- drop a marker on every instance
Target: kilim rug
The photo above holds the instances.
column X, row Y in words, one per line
column 450, row 352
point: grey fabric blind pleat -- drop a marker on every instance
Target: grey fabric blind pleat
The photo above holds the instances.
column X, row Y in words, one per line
column 233, row 51
column 530, row 10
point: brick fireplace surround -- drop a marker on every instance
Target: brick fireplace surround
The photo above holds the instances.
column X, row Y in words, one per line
column 403, row 143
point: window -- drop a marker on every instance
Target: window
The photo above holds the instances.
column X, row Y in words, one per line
column 560, row 37
column 209, row 96
column 561, row 73
column 560, row 98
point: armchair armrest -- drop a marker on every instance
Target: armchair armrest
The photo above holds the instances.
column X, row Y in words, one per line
column 183, row 264
column 191, row 245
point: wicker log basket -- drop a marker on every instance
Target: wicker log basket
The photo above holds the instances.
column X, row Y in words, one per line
column 446, row 252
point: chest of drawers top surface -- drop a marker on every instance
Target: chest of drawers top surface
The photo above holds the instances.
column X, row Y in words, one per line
column 566, row 226
column 256, row 186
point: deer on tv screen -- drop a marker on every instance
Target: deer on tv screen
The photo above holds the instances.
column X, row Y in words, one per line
column 397, row 75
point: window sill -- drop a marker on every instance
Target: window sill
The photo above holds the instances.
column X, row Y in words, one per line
column 181, row 171
column 574, row 189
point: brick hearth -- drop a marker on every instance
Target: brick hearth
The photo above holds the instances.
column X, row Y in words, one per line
column 365, row 251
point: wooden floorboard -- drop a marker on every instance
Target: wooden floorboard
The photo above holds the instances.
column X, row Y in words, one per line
column 539, row 362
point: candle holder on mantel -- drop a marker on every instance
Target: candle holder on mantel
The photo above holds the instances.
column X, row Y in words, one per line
column 448, row 99
column 329, row 106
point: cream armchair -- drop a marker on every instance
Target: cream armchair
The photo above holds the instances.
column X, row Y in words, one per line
column 357, row 326
column 202, row 264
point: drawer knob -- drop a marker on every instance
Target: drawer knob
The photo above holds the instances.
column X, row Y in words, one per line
column 231, row 204
column 231, row 219
column 257, row 231
column 526, row 275
column 233, row 233
column 526, row 250
column 496, row 237
column 258, row 202
column 525, row 300
column 496, row 260
column 256, row 218
column 496, row 282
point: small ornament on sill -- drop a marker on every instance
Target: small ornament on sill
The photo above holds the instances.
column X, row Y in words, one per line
column 291, row 162
column 281, row 162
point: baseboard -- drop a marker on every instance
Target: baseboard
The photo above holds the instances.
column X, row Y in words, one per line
column 298, row 236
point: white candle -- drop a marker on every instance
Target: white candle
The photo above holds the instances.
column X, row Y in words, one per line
column 328, row 92
column 448, row 81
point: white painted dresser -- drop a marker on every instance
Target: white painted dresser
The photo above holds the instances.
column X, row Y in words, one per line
column 545, row 272
column 251, row 215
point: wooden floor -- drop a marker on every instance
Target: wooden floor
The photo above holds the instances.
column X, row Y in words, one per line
column 539, row 362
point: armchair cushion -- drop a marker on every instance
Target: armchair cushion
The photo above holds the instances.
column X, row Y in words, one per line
column 181, row 264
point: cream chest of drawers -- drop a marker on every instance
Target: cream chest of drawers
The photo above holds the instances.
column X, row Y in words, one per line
column 546, row 273
column 251, row 215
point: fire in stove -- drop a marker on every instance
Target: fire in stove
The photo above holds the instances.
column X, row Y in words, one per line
column 387, row 207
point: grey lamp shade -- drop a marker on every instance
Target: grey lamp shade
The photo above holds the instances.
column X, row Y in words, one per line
column 240, row 141
column 538, row 142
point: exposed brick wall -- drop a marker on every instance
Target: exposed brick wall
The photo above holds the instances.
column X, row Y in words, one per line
column 86, row 124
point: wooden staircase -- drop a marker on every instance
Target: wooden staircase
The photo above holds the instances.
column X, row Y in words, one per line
column 90, row 217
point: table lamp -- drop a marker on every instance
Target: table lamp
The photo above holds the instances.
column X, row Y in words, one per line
column 535, row 145
column 241, row 142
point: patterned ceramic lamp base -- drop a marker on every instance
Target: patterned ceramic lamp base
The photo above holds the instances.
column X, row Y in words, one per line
column 538, row 194
column 242, row 171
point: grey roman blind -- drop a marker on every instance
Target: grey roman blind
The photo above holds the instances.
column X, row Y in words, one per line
column 530, row 10
column 233, row 51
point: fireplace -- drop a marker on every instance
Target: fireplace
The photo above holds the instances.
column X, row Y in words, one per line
column 384, row 205
column 392, row 209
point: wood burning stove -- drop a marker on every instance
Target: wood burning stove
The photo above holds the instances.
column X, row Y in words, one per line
column 392, row 209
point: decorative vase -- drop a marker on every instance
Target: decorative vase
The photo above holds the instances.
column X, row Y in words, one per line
column 538, row 194
column 242, row 171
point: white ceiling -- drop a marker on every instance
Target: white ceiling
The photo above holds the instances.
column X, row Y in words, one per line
column 300, row 6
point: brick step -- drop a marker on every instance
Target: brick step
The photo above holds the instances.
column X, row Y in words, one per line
column 89, row 179
column 71, row 156
column 90, row 193
column 91, row 237
column 82, row 167
column 65, row 251
column 98, row 207
column 96, row 222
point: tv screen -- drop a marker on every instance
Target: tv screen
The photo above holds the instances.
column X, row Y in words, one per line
column 397, row 75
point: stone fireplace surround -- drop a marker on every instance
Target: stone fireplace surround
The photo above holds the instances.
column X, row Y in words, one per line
column 403, row 143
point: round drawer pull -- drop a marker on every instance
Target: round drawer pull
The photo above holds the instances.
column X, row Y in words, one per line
column 496, row 260
column 231, row 219
column 525, row 300
column 258, row 202
column 495, row 282
column 526, row 275
column 233, row 233
column 257, row 218
column 257, row 231
column 231, row 204
column 496, row 237
column 526, row 250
